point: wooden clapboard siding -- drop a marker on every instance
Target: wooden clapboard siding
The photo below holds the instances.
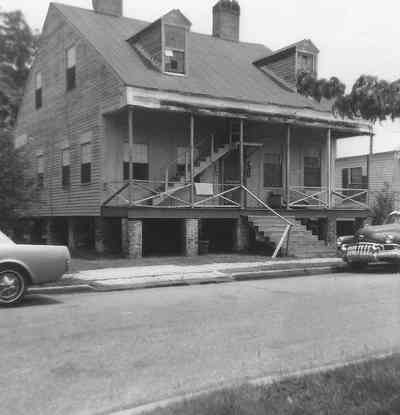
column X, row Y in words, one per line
column 66, row 116
column 285, row 67
column 385, row 168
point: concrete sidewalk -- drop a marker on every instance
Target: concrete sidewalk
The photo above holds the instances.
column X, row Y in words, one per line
column 152, row 276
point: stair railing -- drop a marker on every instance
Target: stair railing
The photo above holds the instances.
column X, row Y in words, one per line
column 285, row 235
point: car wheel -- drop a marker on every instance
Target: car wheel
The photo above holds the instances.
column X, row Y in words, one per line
column 12, row 286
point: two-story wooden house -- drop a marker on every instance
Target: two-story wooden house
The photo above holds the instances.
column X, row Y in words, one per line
column 147, row 137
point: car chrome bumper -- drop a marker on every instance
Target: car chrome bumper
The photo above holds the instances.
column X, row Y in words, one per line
column 370, row 253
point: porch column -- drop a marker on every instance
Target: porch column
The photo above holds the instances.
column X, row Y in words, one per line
column 191, row 237
column 242, row 192
column 369, row 166
column 329, row 165
column 192, row 159
column 287, row 168
column 130, row 127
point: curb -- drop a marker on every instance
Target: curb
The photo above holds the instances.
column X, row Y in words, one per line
column 233, row 277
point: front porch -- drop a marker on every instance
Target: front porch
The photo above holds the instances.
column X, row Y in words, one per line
column 276, row 176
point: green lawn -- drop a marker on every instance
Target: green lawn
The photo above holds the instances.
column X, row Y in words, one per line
column 371, row 388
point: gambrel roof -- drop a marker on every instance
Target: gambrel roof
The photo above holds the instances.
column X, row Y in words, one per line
column 216, row 68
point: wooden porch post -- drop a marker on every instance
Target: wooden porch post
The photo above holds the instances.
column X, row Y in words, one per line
column 242, row 194
column 369, row 164
column 130, row 123
column 329, row 165
column 287, row 168
column 192, row 158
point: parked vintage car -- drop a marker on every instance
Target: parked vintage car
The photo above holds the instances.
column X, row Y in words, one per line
column 373, row 244
column 25, row 265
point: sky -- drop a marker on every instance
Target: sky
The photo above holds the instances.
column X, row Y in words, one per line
column 354, row 37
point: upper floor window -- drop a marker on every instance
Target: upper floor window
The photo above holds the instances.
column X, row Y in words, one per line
column 65, row 167
column 306, row 62
column 38, row 91
column 86, row 162
column 71, row 68
column 40, row 171
column 174, row 51
column 272, row 170
column 140, row 165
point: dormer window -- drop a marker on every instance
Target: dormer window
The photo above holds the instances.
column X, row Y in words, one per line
column 306, row 62
column 174, row 49
column 163, row 44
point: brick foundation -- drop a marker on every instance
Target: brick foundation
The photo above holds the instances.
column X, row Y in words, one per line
column 191, row 237
column 99, row 235
column 331, row 233
column 135, row 238
column 242, row 236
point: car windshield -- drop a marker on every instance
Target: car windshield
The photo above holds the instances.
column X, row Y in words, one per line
column 393, row 218
column 4, row 240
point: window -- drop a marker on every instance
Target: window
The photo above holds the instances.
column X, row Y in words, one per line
column 272, row 170
column 174, row 53
column 40, row 171
column 38, row 91
column 65, row 168
column 86, row 162
column 71, row 68
column 352, row 178
column 306, row 62
column 312, row 171
column 140, row 163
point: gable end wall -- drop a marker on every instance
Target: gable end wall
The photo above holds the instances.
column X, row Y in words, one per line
column 66, row 116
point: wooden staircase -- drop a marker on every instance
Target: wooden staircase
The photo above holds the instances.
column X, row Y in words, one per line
column 302, row 242
column 200, row 165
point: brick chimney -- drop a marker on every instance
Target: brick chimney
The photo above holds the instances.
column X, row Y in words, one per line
column 110, row 7
column 226, row 20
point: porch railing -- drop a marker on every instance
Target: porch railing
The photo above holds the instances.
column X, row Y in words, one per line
column 141, row 193
column 351, row 198
column 308, row 197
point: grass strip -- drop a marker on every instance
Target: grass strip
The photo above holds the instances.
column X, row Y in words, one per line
column 370, row 388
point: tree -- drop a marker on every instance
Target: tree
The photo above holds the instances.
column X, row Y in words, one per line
column 370, row 98
column 17, row 47
column 15, row 190
column 383, row 205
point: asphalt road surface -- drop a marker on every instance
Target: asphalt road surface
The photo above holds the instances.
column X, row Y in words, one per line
column 95, row 353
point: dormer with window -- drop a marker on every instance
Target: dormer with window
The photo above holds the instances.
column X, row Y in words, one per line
column 164, row 43
column 287, row 62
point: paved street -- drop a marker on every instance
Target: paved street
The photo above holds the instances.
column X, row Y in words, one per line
column 90, row 353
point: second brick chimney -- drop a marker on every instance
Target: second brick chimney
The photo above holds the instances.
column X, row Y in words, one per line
column 226, row 20
column 110, row 7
